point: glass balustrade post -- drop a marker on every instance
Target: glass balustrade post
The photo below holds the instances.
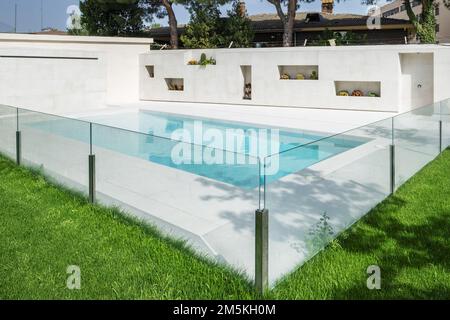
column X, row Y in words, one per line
column 392, row 158
column 18, row 139
column 91, row 168
column 261, row 250
column 261, row 235
column 440, row 126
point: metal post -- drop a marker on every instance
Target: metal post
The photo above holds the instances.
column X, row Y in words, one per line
column 261, row 250
column 91, row 178
column 18, row 147
column 392, row 161
column 440, row 136
column 91, row 169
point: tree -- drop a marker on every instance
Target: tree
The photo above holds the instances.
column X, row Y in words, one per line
column 238, row 29
column 161, row 9
column 173, row 23
column 112, row 17
column 288, row 18
column 425, row 25
column 207, row 29
column 154, row 7
column 202, row 29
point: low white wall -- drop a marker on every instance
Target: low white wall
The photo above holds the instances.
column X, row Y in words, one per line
column 64, row 74
column 223, row 82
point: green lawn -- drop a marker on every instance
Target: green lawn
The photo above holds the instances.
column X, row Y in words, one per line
column 43, row 229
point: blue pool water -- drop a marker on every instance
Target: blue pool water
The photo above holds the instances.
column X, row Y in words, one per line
column 147, row 135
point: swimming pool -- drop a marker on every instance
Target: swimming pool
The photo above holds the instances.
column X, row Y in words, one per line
column 150, row 136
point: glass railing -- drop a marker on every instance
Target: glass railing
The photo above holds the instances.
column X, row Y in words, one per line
column 205, row 195
column 218, row 199
column 444, row 108
column 8, row 128
column 208, row 198
column 309, row 208
column 56, row 146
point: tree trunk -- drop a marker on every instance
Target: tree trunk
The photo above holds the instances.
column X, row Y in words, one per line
column 289, row 24
column 173, row 24
column 426, row 26
column 288, row 20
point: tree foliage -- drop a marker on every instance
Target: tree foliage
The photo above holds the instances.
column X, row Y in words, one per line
column 238, row 29
column 207, row 29
column 113, row 17
column 340, row 38
column 203, row 30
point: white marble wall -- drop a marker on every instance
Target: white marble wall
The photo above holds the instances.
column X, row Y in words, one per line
column 51, row 84
column 223, row 83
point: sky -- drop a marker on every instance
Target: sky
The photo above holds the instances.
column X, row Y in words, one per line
column 55, row 12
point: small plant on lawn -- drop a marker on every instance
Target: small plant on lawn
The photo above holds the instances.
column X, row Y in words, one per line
column 320, row 234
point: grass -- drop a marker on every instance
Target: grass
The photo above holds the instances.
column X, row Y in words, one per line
column 44, row 228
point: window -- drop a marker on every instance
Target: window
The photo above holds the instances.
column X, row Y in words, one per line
column 391, row 12
column 416, row 3
column 436, row 10
column 437, row 27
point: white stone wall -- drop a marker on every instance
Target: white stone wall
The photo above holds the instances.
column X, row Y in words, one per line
column 223, row 83
column 53, row 81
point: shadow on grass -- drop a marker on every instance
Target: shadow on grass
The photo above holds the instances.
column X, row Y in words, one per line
column 417, row 247
column 413, row 256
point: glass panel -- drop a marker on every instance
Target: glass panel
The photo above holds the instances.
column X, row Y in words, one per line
column 57, row 146
column 445, row 117
column 8, row 127
column 204, row 195
column 416, row 138
column 344, row 176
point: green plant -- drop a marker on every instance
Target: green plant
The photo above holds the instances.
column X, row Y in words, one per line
column 314, row 75
column 203, row 59
column 320, row 234
column 340, row 39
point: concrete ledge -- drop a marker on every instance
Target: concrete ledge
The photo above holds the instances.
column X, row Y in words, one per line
column 19, row 37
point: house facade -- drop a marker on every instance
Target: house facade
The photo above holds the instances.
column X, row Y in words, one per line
column 397, row 10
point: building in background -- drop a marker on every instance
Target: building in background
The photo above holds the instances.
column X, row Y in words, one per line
column 397, row 10
column 310, row 26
